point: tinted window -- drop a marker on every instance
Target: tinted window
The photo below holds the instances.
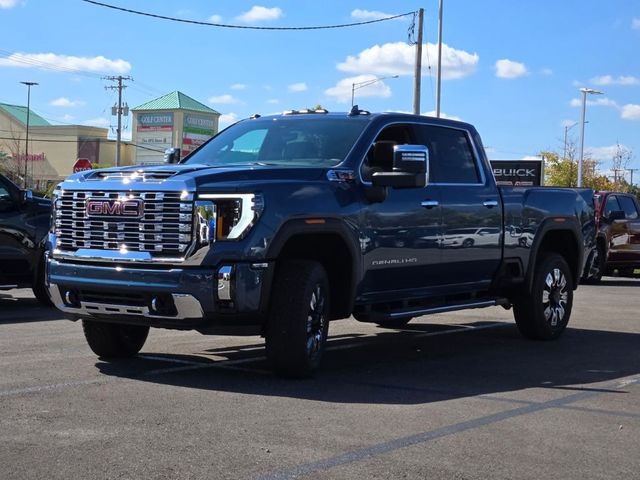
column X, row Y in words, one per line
column 451, row 158
column 295, row 141
column 612, row 205
column 629, row 207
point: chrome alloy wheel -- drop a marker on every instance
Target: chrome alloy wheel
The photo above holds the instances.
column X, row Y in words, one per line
column 316, row 321
column 555, row 296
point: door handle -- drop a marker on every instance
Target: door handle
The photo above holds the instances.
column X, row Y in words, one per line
column 490, row 203
column 429, row 203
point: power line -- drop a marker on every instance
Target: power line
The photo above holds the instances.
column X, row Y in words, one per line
column 245, row 27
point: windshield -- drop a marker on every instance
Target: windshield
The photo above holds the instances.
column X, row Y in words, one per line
column 296, row 142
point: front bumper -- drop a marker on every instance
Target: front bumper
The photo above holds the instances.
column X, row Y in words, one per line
column 169, row 297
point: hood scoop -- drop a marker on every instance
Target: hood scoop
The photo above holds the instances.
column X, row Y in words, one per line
column 133, row 175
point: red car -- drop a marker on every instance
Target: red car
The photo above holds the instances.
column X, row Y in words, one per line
column 618, row 240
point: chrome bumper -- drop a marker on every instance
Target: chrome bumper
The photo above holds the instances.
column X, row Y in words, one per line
column 187, row 307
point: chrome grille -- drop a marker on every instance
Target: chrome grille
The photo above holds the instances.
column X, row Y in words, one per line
column 163, row 230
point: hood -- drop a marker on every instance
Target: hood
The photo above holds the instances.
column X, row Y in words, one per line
column 189, row 177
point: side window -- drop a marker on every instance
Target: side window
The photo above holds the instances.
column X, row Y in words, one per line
column 451, row 158
column 380, row 155
column 629, row 207
column 4, row 194
column 611, row 206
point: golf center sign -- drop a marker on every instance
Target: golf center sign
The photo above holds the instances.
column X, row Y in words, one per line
column 518, row 173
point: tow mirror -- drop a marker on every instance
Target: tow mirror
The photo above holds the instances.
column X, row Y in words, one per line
column 410, row 168
column 26, row 195
column 172, row 155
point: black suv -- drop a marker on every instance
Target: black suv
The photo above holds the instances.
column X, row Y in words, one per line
column 24, row 222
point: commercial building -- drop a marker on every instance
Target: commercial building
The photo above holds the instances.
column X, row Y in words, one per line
column 53, row 149
column 173, row 120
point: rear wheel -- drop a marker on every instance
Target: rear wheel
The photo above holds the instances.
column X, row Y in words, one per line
column 543, row 312
column 114, row 340
column 298, row 322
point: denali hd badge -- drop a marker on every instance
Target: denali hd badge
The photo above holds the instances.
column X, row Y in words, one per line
column 132, row 208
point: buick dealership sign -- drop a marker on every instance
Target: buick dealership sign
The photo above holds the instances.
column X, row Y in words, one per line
column 517, row 173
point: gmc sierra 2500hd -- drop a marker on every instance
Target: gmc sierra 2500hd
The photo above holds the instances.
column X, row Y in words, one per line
column 281, row 223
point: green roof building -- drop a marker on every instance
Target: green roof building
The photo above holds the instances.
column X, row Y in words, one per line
column 173, row 120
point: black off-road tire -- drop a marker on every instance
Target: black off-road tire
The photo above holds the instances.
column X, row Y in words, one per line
column 39, row 286
column 298, row 321
column 544, row 312
column 595, row 267
column 114, row 340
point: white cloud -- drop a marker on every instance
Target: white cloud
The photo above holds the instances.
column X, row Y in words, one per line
column 297, row 87
column 223, row 99
column 630, row 111
column 273, row 101
column 398, row 59
column 65, row 102
column 65, row 62
column 509, row 69
column 97, row 122
column 610, row 80
column 598, row 102
column 603, row 153
column 365, row 15
column 8, row 3
column 260, row 14
column 227, row 119
column 341, row 92
column 546, row 72
column 215, row 19
column 238, row 86
column 68, row 118
column 635, row 23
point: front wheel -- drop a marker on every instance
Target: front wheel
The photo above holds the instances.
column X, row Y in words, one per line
column 298, row 321
column 543, row 312
column 114, row 340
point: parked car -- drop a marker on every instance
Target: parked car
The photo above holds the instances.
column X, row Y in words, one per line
column 618, row 237
column 24, row 223
column 468, row 237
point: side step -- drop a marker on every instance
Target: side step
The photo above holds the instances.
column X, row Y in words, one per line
column 379, row 316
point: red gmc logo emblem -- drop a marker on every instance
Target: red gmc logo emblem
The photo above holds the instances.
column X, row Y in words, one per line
column 115, row 208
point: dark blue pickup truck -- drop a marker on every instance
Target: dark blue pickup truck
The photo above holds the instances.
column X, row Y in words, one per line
column 281, row 223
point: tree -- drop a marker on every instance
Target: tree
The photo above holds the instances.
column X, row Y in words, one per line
column 563, row 172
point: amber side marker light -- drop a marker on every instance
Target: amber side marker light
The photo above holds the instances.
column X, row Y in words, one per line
column 560, row 220
column 315, row 221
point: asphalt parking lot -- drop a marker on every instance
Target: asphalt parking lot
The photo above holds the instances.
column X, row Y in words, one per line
column 457, row 395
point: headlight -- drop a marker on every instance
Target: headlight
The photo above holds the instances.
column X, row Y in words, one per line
column 229, row 216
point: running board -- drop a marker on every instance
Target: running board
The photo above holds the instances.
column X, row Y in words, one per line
column 418, row 311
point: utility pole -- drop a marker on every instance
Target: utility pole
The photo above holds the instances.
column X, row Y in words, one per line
column 439, row 77
column 417, row 80
column 615, row 174
column 26, row 143
column 631, row 170
column 118, row 109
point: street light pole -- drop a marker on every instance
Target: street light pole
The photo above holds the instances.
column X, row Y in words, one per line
column 584, row 108
column 26, row 143
column 358, row 85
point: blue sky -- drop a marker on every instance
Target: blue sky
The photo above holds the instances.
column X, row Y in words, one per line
column 512, row 68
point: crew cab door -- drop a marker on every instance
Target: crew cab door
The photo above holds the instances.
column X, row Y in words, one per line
column 470, row 203
column 401, row 233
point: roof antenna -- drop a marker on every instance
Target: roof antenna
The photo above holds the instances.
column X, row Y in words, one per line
column 354, row 110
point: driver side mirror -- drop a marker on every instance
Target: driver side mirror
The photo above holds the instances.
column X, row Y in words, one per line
column 172, row 155
column 26, row 196
column 410, row 168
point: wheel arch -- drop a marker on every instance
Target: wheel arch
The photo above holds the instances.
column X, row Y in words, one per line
column 330, row 243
